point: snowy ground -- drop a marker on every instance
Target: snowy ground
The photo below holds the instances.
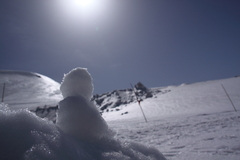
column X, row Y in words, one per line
column 186, row 99
column 212, row 136
column 186, row 122
column 190, row 121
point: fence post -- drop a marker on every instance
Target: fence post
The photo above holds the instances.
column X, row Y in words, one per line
column 3, row 92
column 139, row 102
column 229, row 98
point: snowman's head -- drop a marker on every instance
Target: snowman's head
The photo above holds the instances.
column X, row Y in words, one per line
column 78, row 82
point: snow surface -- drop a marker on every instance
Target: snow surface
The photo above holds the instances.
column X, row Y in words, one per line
column 28, row 90
column 189, row 121
column 78, row 82
column 210, row 136
column 80, row 132
column 81, row 119
column 77, row 115
column 182, row 100
column 26, row 136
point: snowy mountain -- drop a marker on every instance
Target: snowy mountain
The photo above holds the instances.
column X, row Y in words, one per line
column 108, row 101
column 41, row 95
column 188, row 121
column 116, row 98
column 184, row 99
column 28, row 90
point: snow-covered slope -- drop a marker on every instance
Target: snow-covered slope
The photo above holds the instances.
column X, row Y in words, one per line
column 31, row 90
column 116, row 98
column 28, row 90
column 189, row 121
column 208, row 136
column 80, row 131
column 185, row 99
column 162, row 102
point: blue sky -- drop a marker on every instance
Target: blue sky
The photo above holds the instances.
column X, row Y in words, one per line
column 157, row 42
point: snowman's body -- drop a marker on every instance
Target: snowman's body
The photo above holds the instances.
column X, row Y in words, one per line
column 77, row 115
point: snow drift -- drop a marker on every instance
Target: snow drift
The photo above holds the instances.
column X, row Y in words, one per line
column 80, row 133
column 28, row 89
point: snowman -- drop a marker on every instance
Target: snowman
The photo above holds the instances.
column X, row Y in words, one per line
column 77, row 115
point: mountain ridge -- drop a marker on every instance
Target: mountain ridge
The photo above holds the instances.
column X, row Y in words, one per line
column 121, row 103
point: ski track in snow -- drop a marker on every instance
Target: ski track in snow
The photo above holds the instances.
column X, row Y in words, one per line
column 204, row 136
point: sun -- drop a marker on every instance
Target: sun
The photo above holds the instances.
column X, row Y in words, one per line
column 81, row 8
column 74, row 8
column 83, row 3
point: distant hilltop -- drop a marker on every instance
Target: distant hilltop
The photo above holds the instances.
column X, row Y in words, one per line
column 28, row 90
column 108, row 101
column 23, row 73
column 111, row 101
column 41, row 95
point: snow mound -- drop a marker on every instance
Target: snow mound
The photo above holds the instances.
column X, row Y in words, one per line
column 25, row 136
column 28, row 90
column 80, row 131
column 77, row 82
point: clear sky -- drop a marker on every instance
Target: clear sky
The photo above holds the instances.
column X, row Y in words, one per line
column 157, row 42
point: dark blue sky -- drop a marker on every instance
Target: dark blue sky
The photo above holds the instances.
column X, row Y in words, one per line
column 157, row 42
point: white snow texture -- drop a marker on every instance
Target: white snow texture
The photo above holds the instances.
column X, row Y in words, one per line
column 78, row 116
column 81, row 119
column 77, row 82
column 80, row 133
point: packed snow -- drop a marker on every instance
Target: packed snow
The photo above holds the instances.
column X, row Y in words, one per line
column 182, row 100
column 80, row 131
column 210, row 136
column 28, row 90
column 189, row 121
column 77, row 82
column 77, row 115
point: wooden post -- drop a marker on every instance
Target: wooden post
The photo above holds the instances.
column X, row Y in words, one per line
column 139, row 103
column 3, row 92
column 229, row 99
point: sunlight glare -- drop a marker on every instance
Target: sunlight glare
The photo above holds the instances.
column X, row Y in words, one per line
column 83, row 3
column 74, row 8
